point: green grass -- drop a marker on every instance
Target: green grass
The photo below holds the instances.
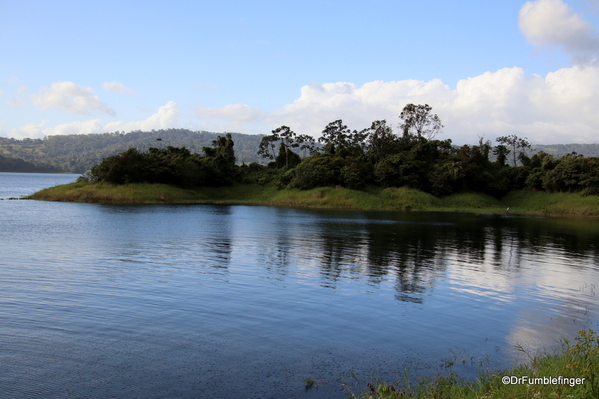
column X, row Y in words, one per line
column 371, row 198
column 574, row 360
column 525, row 201
column 471, row 201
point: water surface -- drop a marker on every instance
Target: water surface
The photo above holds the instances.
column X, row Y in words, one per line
column 203, row 301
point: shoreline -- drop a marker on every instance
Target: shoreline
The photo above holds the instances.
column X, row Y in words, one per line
column 521, row 202
column 569, row 371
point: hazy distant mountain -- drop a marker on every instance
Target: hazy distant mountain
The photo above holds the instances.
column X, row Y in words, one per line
column 18, row 165
column 79, row 152
column 559, row 150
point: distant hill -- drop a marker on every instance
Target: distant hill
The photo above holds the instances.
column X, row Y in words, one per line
column 77, row 153
column 18, row 165
column 559, row 150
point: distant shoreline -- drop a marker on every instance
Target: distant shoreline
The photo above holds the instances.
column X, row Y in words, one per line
column 372, row 198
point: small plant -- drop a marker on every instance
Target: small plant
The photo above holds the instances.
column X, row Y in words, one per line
column 384, row 391
column 310, row 383
column 585, row 358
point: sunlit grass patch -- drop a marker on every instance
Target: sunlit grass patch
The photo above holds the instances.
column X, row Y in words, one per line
column 471, row 200
column 552, row 203
column 370, row 198
column 410, row 199
column 108, row 193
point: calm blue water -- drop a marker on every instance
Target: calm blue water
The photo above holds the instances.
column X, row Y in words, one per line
column 205, row 301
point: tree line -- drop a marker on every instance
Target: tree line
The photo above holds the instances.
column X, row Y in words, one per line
column 77, row 153
column 8, row 164
column 372, row 156
column 172, row 165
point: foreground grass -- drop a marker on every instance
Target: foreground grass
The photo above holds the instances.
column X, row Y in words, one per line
column 372, row 198
column 577, row 363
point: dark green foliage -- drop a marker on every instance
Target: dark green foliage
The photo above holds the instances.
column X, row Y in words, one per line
column 287, row 140
column 501, row 152
column 173, row 165
column 447, row 177
column 381, row 142
column 514, row 142
column 573, row 173
column 19, row 165
column 286, row 158
column 351, row 159
column 354, row 174
column 77, row 153
column 338, row 137
column 401, row 169
column 375, row 155
column 319, row 170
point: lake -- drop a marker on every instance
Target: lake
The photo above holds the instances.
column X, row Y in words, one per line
column 203, row 301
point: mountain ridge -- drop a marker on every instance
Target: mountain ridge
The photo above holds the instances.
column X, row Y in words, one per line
column 77, row 153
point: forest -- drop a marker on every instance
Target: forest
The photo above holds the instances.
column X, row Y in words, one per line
column 8, row 164
column 77, row 153
column 354, row 159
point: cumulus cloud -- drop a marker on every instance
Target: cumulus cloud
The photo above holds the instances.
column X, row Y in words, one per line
column 561, row 107
column 553, row 23
column 30, row 130
column 117, row 87
column 167, row 116
column 71, row 98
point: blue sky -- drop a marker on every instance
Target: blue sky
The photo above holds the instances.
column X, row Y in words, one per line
column 488, row 68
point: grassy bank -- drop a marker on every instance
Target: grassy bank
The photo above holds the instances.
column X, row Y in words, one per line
column 372, row 198
column 576, row 362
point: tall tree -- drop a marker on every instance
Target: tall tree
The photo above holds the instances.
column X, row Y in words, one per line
column 337, row 136
column 501, row 152
column 306, row 143
column 381, row 141
column 267, row 146
column 287, row 140
column 417, row 120
column 514, row 142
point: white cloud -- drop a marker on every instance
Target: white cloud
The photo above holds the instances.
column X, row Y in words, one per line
column 71, row 98
column 30, row 130
column 84, row 127
column 562, row 107
column 117, row 87
column 553, row 23
column 167, row 116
